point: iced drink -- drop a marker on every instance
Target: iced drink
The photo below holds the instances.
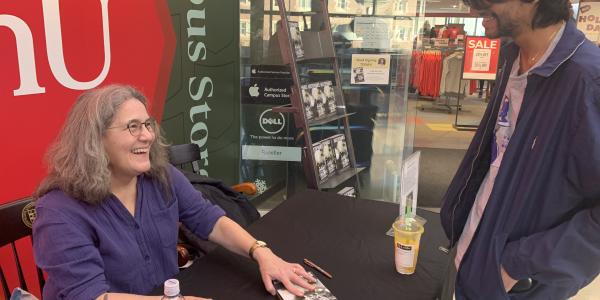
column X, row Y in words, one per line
column 407, row 236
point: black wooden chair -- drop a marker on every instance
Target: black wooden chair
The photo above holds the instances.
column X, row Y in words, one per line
column 189, row 155
column 16, row 219
column 190, row 247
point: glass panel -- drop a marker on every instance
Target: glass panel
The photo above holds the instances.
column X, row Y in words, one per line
column 383, row 29
column 386, row 29
column 262, row 88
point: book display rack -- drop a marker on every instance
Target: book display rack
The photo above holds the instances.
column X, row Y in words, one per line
column 328, row 160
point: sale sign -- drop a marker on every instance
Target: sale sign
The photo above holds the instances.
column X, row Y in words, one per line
column 481, row 58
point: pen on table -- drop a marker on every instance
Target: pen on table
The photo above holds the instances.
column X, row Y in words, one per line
column 312, row 264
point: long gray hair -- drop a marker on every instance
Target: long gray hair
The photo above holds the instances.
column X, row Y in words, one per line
column 77, row 161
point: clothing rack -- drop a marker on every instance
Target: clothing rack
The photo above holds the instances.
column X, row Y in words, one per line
column 437, row 76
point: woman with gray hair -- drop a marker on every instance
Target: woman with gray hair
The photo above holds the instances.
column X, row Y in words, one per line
column 108, row 210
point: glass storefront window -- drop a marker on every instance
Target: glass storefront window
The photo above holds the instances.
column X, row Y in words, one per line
column 378, row 124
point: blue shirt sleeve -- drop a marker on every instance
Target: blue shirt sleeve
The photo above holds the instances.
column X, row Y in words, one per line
column 70, row 257
column 195, row 212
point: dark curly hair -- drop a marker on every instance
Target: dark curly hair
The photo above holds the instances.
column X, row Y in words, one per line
column 548, row 12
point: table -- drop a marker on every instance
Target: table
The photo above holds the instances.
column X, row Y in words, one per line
column 345, row 236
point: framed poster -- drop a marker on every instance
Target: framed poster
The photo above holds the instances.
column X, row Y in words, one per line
column 481, row 58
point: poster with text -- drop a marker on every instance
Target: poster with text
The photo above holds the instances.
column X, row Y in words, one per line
column 375, row 32
column 588, row 20
column 481, row 58
column 370, row 69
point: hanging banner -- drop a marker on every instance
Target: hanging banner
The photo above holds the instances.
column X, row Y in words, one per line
column 481, row 58
column 588, row 20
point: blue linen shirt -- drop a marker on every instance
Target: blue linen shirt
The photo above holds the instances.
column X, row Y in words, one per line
column 87, row 250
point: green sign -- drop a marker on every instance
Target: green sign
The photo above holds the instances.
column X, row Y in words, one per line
column 202, row 104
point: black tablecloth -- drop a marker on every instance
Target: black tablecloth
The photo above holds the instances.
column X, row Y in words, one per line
column 345, row 236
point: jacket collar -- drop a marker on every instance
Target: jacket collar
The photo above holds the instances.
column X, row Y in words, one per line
column 568, row 44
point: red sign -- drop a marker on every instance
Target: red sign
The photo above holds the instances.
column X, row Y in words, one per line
column 481, row 58
column 51, row 52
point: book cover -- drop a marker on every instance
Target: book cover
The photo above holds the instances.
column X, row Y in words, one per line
column 320, row 162
column 329, row 155
column 296, row 39
column 342, row 160
column 329, row 96
column 309, row 102
column 317, row 95
column 348, row 191
column 321, row 292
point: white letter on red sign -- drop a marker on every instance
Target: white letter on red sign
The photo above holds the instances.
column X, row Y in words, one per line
column 55, row 52
column 24, row 39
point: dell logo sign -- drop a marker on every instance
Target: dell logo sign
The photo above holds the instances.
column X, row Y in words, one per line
column 272, row 122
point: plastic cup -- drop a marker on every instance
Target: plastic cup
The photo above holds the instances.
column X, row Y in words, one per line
column 407, row 236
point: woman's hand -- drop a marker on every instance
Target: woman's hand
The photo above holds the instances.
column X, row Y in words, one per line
column 291, row 275
column 509, row 283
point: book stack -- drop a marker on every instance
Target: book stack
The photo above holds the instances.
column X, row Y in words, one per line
column 296, row 39
column 320, row 161
column 319, row 100
column 350, row 192
column 331, row 156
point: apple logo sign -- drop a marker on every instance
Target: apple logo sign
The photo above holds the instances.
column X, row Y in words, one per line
column 254, row 91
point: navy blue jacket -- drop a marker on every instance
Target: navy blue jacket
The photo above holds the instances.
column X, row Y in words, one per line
column 542, row 220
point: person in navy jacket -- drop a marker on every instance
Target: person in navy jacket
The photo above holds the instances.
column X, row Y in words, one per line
column 523, row 210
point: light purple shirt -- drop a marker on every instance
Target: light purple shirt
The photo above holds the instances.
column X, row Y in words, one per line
column 88, row 250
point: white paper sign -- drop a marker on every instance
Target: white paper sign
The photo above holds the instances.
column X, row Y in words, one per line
column 441, row 42
column 274, row 153
column 375, row 32
column 370, row 69
column 409, row 185
column 482, row 59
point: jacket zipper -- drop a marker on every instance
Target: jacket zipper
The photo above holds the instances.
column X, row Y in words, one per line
column 475, row 159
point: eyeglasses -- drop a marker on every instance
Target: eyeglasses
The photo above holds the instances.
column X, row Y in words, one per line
column 135, row 127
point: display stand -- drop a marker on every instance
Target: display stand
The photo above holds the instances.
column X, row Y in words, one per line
column 447, row 100
column 300, row 49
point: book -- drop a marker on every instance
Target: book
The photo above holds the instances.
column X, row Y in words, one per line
column 348, row 191
column 320, row 162
column 317, row 95
column 329, row 97
column 342, row 160
column 296, row 39
column 320, row 293
column 329, row 156
column 309, row 102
